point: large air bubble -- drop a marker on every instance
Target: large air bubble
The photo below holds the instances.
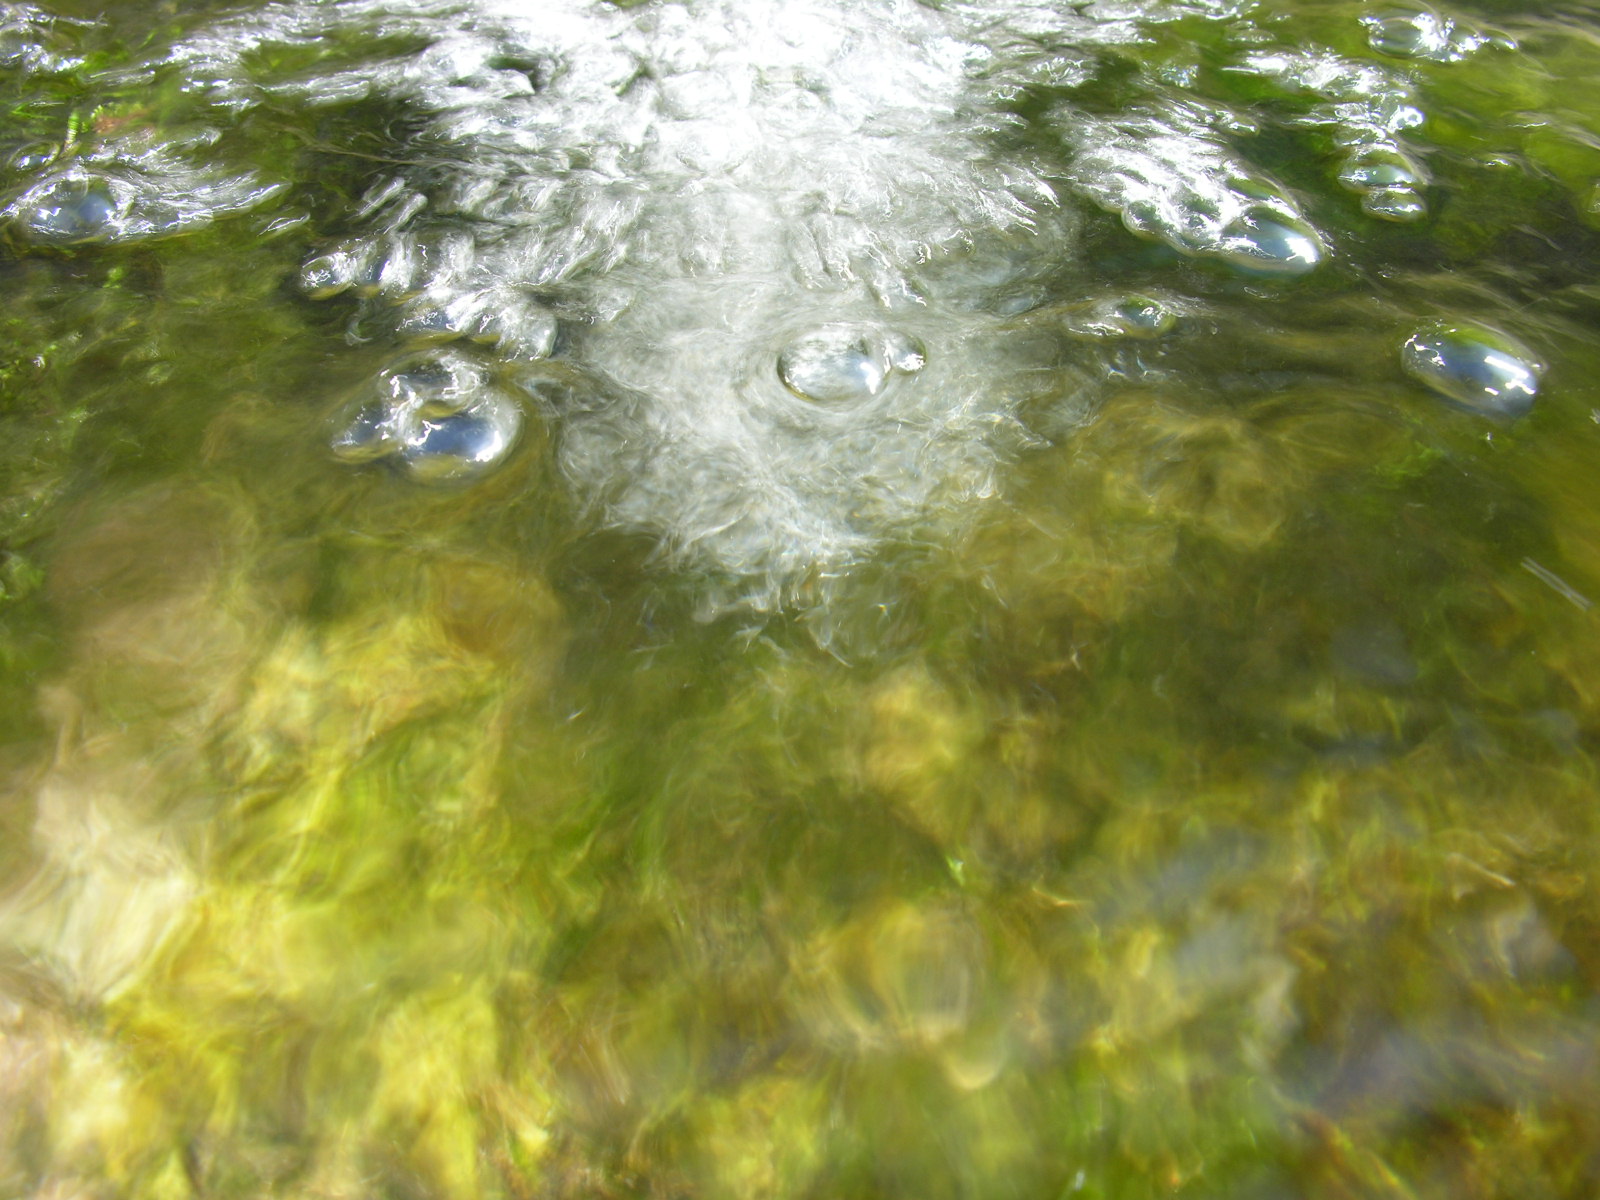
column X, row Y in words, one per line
column 1265, row 241
column 1475, row 366
column 842, row 364
column 1421, row 34
column 69, row 212
column 464, row 444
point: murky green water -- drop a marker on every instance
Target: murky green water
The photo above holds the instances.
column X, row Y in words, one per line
column 1153, row 752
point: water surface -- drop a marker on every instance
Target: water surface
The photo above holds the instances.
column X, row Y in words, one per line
column 828, row 599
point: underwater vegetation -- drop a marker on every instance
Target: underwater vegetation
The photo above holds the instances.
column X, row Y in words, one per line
column 837, row 598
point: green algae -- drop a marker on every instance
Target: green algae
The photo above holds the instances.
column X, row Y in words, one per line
column 1216, row 817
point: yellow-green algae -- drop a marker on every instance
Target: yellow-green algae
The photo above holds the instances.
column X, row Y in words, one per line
column 392, row 895
column 1216, row 817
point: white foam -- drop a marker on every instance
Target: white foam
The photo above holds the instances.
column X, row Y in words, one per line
column 688, row 188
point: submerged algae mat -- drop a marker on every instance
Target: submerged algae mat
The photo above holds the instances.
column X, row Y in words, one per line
column 1193, row 793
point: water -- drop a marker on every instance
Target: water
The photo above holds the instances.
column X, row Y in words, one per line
column 824, row 599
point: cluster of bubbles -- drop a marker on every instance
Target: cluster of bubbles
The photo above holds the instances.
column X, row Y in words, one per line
column 440, row 415
column 1365, row 109
column 398, row 280
column 765, row 269
column 1170, row 176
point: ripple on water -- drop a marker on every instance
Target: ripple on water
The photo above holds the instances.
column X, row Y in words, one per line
column 129, row 193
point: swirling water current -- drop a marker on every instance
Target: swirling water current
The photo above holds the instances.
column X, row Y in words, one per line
column 823, row 598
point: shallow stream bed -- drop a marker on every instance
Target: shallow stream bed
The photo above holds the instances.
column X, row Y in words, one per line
column 832, row 599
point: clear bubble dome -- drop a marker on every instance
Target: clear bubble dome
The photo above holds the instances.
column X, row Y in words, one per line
column 841, row 364
column 1408, row 35
column 1395, row 204
column 1142, row 316
column 1271, row 243
column 33, row 156
column 1127, row 316
column 1422, row 34
column 70, row 212
column 462, row 445
column 367, row 436
column 1475, row 366
column 1371, row 169
column 327, row 275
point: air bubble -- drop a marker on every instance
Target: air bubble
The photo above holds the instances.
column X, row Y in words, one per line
column 841, row 364
column 327, row 275
column 1425, row 35
column 1271, row 243
column 522, row 331
column 369, row 435
column 462, row 445
column 34, row 156
column 441, row 317
column 424, row 323
column 388, row 267
column 25, row 39
column 517, row 328
column 438, row 414
column 1390, row 184
column 15, row 51
column 905, row 353
column 71, row 212
column 382, row 268
column 392, row 267
column 130, row 191
column 1475, row 366
column 1412, row 35
column 1373, row 168
column 1395, row 204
